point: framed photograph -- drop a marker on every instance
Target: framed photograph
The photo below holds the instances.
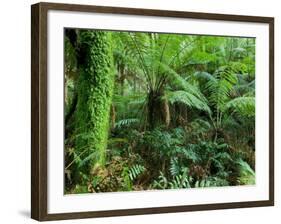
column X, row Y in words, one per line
column 139, row 111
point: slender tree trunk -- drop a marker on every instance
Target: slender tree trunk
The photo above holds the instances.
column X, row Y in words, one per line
column 122, row 79
column 113, row 115
column 166, row 112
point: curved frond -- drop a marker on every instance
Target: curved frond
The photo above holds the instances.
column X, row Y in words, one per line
column 204, row 75
column 188, row 99
column 243, row 105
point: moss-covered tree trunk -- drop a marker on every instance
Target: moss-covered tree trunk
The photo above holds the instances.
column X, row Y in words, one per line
column 95, row 89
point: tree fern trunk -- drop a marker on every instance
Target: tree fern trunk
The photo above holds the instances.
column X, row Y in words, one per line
column 158, row 109
column 95, row 89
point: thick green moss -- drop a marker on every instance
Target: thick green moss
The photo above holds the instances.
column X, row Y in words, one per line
column 95, row 89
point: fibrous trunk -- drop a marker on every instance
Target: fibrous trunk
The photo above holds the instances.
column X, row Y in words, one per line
column 158, row 109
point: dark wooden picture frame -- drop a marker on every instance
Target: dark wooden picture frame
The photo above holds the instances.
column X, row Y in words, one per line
column 39, row 108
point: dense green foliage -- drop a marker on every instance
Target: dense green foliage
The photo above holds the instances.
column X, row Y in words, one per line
column 158, row 111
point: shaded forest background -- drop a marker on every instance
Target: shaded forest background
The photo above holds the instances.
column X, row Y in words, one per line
column 158, row 111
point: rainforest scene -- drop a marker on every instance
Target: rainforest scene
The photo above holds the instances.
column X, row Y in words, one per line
column 153, row 111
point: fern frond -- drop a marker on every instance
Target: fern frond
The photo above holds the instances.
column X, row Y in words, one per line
column 135, row 171
column 220, row 87
column 247, row 176
column 244, row 106
column 211, row 181
column 204, row 75
column 126, row 122
column 175, row 169
column 188, row 99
